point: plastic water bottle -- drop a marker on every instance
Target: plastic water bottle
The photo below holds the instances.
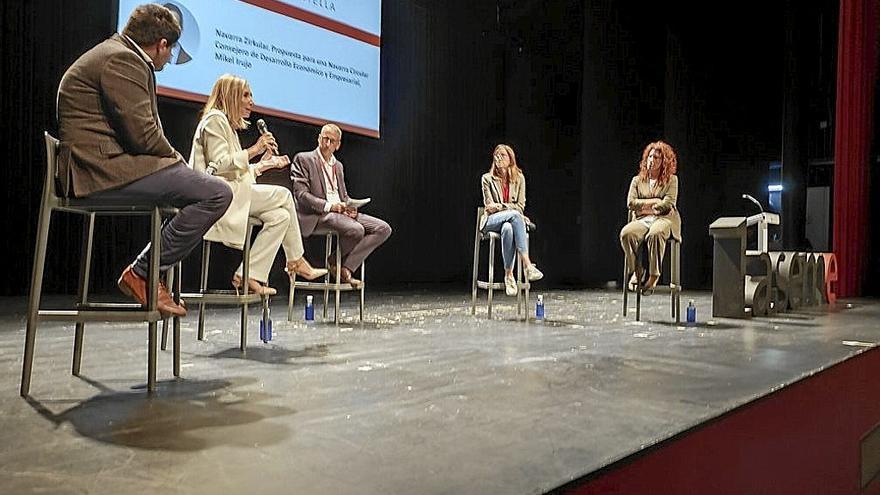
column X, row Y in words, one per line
column 310, row 309
column 266, row 327
column 539, row 308
column 691, row 313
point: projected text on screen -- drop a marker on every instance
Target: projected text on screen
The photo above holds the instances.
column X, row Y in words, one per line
column 307, row 60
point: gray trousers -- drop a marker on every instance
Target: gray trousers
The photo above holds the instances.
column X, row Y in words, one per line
column 357, row 237
column 200, row 198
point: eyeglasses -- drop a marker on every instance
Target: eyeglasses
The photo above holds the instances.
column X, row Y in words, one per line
column 329, row 139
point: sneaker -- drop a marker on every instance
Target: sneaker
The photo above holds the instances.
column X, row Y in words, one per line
column 509, row 285
column 533, row 274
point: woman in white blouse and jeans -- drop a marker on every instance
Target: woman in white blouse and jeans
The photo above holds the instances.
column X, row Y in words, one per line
column 504, row 199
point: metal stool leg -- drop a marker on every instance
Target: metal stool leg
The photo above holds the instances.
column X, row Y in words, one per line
column 245, row 277
column 153, row 296
column 338, row 280
column 491, row 272
column 676, row 280
column 528, row 283
column 169, row 282
column 327, row 247
column 526, row 295
column 475, row 272
column 264, row 303
column 85, row 271
column 244, row 323
column 203, row 285
column 672, row 280
column 178, row 269
column 151, row 356
column 290, row 294
column 625, row 288
column 638, row 304
column 519, row 285
column 363, row 286
column 35, row 293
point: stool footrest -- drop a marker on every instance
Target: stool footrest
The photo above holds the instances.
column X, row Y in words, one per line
column 135, row 315
column 97, row 306
column 323, row 286
column 661, row 289
column 229, row 298
column 482, row 284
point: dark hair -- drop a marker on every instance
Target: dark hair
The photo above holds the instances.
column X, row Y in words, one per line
column 150, row 23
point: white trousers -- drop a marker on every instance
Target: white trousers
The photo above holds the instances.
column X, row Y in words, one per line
column 273, row 205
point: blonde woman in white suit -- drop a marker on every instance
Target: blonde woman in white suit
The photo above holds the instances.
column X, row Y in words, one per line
column 504, row 199
column 216, row 149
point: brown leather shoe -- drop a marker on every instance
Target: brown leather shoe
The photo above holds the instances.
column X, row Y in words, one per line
column 167, row 302
column 135, row 286
column 163, row 287
column 347, row 278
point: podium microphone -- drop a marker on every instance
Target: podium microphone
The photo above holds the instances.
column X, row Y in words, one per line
column 745, row 196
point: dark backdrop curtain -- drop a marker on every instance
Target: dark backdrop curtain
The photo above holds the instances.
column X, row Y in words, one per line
column 856, row 71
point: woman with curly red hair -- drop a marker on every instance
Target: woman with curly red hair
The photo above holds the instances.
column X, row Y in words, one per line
column 653, row 214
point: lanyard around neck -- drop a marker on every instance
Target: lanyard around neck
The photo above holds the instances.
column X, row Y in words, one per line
column 330, row 179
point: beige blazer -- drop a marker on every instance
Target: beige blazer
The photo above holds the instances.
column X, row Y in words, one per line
column 641, row 190
column 109, row 121
column 491, row 186
column 216, row 144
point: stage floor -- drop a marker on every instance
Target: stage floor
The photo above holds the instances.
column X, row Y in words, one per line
column 420, row 398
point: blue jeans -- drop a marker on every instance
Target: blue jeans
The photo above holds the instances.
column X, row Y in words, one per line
column 512, row 227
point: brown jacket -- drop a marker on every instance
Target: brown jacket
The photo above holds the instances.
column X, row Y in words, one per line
column 109, row 121
column 309, row 189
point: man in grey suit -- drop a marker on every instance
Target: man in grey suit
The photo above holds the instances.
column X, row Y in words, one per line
column 321, row 196
column 113, row 146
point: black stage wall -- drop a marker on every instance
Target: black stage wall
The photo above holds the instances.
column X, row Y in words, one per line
column 577, row 87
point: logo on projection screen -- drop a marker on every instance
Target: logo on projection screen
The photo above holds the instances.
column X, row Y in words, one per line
column 188, row 44
column 324, row 4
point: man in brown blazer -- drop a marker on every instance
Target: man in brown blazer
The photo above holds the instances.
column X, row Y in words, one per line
column 113, row 146
column 321, row 196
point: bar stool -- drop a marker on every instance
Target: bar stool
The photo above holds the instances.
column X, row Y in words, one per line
column 329, row 285
column 92, row 311
column 217, row 297
column 674, row 286
column 490, row 285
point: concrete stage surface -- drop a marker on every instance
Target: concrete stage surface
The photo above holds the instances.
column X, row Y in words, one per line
column 420, row 398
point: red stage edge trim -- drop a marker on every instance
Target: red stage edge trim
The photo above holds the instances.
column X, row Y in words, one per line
column 200, row 98
column 684, row 452
column 316, row 20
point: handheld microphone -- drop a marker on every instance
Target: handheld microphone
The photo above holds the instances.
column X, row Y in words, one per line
column 753, row 200
column 261, row 126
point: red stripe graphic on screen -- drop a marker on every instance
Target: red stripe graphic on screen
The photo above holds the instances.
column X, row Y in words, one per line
column 316, row 20
column 308, row 119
